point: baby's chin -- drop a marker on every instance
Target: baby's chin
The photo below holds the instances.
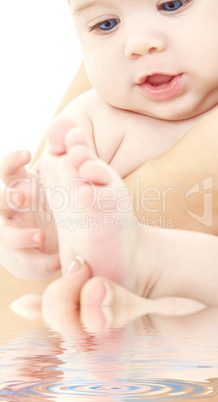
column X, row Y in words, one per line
column 160, row 111
column 176, row 109
column 174, row 115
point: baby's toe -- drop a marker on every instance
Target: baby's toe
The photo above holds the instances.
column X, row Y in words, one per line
column 79, row 154
column 96, row 171
column 74, row 137
column 56, row 134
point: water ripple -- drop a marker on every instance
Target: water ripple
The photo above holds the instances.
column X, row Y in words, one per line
column 169, row 390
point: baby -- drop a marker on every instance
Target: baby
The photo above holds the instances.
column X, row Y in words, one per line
column 151, row 83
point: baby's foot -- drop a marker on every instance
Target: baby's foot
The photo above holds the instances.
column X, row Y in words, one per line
column 93, row 213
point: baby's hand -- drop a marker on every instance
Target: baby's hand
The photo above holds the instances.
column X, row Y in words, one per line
column 28, row 241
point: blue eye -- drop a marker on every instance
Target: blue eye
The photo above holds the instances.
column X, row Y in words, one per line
column 107, row 25
column 172, row 5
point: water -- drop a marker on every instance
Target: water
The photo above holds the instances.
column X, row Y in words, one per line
column 147, row 358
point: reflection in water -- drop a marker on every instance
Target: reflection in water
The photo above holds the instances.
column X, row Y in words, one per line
column 150, row 390
column 150, row 358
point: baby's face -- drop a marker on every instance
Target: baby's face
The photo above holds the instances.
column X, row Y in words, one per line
column 151, row 56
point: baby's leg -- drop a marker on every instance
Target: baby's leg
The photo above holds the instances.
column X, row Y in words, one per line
column 93, row 214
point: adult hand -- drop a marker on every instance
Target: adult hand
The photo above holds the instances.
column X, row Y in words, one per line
column 99, row 303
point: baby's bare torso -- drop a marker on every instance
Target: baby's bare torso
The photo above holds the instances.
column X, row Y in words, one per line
column 123, row 139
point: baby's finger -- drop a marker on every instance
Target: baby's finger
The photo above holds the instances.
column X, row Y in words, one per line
column 10, row 201
column 12, row 165
column 38, row 264
column 5, row 210
column 29, row 264
column 20, row 238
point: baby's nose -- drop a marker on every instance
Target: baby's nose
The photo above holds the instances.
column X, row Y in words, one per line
column 141, row 44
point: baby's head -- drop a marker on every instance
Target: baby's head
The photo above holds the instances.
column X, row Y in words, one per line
column 151, row 56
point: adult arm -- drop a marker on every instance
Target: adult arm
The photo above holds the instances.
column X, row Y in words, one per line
column 179, row 189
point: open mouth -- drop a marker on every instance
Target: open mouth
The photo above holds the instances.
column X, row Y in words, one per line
column 161, row 87
column 159, row 79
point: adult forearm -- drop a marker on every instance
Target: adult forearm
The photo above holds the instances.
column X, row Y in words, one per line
column 179, row 189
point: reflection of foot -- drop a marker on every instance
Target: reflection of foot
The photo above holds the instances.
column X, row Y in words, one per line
column 96, row 221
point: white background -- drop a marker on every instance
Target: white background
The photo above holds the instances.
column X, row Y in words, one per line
column 39, row 55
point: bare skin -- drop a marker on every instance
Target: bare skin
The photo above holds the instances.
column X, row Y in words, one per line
column 166, row 263
column 187, row 164
column 102, row 227
column 95, row 298
column 148, row 174
column 96, row 230
column 71, row 310
column 191, row 159
column 39, row 243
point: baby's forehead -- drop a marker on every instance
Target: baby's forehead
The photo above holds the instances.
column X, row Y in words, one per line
column 82, row 4
column 78, row 6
